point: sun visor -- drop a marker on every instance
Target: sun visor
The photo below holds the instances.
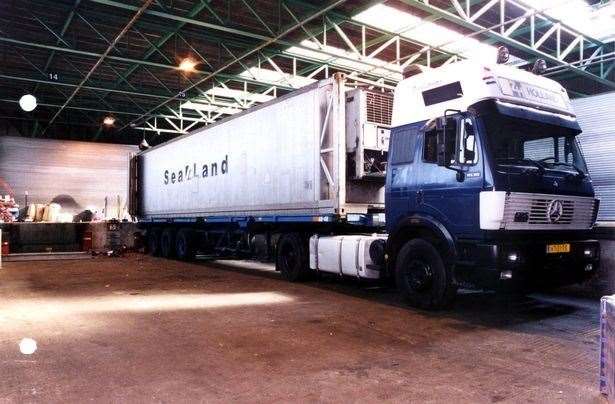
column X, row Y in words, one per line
column 532, row 114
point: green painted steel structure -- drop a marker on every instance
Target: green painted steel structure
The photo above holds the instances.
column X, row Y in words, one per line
column 64, row 52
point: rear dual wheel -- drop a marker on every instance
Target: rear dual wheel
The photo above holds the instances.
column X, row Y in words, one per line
column 167, row 243
column 185, row 245
column 292, row 257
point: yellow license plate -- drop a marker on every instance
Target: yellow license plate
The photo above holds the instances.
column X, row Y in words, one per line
column 558, row 248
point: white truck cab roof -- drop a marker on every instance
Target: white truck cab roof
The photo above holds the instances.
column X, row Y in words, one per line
column 458, row 85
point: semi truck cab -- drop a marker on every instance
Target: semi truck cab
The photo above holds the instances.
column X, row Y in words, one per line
column 486, row 184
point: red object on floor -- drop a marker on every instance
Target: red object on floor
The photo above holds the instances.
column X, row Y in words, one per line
column 86, row 241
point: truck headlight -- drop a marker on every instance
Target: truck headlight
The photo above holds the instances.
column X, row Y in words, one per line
column 506, row 274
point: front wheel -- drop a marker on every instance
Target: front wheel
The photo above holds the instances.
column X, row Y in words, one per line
column 292, row 258
column 422, row 277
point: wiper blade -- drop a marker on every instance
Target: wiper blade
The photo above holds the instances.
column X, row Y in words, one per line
column 539, row 166
column 580, row 172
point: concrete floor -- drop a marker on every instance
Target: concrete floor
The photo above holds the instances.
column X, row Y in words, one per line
column 141, row 329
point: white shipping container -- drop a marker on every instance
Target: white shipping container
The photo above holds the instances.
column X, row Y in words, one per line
column 286, row 157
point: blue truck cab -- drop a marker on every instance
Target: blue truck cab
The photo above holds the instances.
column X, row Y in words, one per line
column 486, row 184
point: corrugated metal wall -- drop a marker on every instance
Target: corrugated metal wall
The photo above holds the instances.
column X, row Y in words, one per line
column 78, row 175
column 597, row 118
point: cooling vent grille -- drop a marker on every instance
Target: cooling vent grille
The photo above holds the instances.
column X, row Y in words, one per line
column 379, row 108
column 539, row 211
column 577, row 212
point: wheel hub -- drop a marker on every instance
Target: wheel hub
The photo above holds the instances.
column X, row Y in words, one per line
column 289, row 258
column 419, row 275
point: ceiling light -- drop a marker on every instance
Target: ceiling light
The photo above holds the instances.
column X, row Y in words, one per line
column 540, row 66
column 143, row 145
column 187, row 65
column 109, row 120
column 27, row 102
column 503, row 55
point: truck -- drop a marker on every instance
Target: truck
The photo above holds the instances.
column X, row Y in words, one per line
column 469, row 174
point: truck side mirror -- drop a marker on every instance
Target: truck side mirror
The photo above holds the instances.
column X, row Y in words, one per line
column 440, row 123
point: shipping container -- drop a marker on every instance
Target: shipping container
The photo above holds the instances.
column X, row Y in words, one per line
column 297, row 157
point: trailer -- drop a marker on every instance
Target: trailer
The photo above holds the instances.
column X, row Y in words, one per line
column 295, row 158
column 313, row 160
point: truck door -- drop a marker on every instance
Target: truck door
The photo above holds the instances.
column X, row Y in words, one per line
column 451, row 193
column 134, row 186
column 401, row 172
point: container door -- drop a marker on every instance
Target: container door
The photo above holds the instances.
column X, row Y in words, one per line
column 134, row 196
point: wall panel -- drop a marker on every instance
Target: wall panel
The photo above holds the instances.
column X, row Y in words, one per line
column 79, row 175
column 596, row 116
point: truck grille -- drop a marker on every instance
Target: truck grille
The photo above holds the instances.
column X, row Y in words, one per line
column 379, row 108
column 547, row 212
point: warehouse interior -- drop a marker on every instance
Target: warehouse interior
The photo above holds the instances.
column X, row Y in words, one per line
column 98, row 94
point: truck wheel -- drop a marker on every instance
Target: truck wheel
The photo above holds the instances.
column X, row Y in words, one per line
column 167, row 243
column 292, row 258
column 153, row 242
column 184, row 245
column 421, row 276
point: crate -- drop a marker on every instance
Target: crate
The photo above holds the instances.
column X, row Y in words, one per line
column 607, row 346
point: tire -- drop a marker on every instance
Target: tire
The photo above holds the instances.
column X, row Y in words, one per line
column 184, row 245
column 153, row 242
column 167, row 243
column 292, row 258
column 422, row 277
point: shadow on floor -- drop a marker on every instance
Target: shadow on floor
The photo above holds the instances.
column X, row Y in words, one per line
column 475, row 308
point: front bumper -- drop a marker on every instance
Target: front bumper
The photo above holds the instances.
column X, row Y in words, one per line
column 527, row 265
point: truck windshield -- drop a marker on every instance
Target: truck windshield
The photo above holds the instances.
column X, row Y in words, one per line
column 516, row 143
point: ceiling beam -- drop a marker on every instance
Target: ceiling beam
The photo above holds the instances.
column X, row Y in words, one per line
column 497, row 33
column 236, row 31
column 253, row 51
column 65, row 26
column 106, row 111
column 112, row 45
column 155, row 47
column 164, row 66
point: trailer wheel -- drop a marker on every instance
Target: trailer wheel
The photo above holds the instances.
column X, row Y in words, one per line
column 292, row 258
column 422, row 277
column 184, row 245
column 153, row 242
column 167, row 243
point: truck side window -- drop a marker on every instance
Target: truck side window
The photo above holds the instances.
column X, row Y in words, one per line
column 443, row 93
column 402, row 146
column 467, row 144
column 430, row 145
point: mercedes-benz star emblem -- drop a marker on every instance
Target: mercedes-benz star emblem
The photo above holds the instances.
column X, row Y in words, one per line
column 555, row 210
